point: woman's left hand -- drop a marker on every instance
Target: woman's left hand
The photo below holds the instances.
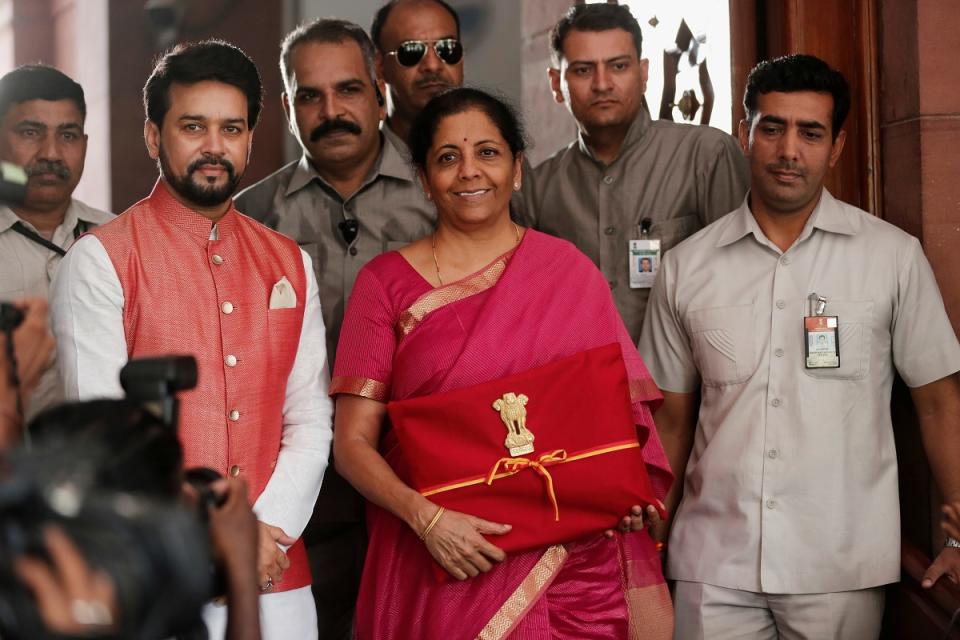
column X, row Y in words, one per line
column 636, row 519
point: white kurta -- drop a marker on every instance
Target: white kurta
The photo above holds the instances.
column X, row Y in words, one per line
column 86, row 302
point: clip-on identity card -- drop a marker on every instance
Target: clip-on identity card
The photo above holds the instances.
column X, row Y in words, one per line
column 644, row 258
column 820, row 336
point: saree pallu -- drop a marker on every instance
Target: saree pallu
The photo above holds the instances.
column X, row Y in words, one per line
column 401, row 338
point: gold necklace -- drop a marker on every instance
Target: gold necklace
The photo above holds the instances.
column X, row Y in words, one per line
column 433, row 245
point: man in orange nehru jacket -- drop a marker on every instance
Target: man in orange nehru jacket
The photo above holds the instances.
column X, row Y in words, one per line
column 183, row 272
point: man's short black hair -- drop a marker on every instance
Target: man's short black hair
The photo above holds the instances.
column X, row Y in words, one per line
column 326, row 31
column 192, row 63
column 798, row 72
column 380, row 19
column 594, row 17
column 39, row 82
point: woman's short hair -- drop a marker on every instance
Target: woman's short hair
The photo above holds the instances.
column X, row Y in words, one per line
column 459, row 100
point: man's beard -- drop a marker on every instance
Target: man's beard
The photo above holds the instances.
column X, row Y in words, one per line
column 203, row 195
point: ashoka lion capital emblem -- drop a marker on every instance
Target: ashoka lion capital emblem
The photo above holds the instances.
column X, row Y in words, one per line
column 513, row 412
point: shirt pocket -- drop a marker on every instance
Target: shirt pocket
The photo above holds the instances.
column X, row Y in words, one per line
column 723, row 344
column 673, row 231
column 854, row 325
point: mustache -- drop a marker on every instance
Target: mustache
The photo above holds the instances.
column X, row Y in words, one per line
column 211, row 160
column 787, row 167
column 432, row 78
column 55, row 167
column 330, row 126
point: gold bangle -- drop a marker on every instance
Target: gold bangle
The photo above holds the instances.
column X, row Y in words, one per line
column 433, row 523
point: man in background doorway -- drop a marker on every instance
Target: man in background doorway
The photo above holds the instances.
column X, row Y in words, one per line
column 625, row 177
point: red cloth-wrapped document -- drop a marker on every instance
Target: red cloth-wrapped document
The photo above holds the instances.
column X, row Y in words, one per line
column 576, row 466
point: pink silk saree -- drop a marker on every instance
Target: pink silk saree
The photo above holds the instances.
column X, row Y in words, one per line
column 402, row 338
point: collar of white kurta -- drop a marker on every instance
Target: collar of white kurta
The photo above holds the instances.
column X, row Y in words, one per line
column 187, row 220
column 638, row 128
column 828, row 215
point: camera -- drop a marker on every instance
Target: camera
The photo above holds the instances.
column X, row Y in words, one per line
column 109, row 473
column 10, row 317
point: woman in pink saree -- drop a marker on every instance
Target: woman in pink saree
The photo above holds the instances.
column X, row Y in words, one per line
column 479, row 300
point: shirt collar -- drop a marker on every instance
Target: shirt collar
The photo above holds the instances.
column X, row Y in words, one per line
column 193, row 223
column 390, row 163
column 828, row 216
column 638, row 128
column 74, row 213
column 7, row 218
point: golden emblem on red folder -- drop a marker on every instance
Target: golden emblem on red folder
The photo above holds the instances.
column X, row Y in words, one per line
column 513, row 412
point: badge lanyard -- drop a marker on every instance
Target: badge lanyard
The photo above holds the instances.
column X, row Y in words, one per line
column 821, row 341
column 644, row 257
column 33, row 236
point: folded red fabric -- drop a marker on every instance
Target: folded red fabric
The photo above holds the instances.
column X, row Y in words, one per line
column 576, row 465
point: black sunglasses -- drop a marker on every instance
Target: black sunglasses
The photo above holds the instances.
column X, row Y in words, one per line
column 411, row 52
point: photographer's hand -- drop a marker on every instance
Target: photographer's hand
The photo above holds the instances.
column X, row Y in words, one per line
column 73, row 599
column 233, row 534
column 33, row 346
column 272, row 561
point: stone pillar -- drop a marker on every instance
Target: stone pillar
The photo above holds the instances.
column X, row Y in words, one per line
column 920, row 137
column 550, row 125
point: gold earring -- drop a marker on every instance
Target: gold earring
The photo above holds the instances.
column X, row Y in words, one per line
column 516, row 186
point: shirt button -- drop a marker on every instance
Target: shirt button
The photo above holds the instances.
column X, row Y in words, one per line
column 234, row 415
column 353, row 251
column 227, row 307
column 772, row 454
column 607, row 179
column 235, row 470
column 771, row 504
column 784, row 260
column 215, row 259
column 776, row 402
column 610, row 231
column 231, row 360
column 781, row 304
column 778, row 353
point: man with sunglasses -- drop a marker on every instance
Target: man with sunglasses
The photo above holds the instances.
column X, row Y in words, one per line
column 419, row 55
column 626, row 178
column 350, row 197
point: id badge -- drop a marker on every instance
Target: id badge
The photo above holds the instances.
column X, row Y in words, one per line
column 644, row 256
column 821, row 338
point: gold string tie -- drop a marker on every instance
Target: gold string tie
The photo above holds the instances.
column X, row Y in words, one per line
column 513, row 466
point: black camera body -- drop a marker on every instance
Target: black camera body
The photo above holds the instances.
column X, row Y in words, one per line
column 10, row 317
column 109, row 473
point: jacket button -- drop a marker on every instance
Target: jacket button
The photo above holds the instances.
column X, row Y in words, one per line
column 235, row 470
column 231, row 360
column 216, row 259
column 234, row 415
column 227, row 307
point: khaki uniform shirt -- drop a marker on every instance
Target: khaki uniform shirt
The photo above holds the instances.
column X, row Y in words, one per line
column 391, row 211
column 791, row 485
column 682, row 177
column 26, row 269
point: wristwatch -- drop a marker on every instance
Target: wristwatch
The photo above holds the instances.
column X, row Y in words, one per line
column 951, row 542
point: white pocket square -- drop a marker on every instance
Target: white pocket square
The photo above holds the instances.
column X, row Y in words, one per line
column 283, row 296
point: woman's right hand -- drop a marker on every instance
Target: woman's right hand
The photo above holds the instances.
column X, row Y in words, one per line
column 456, row 541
